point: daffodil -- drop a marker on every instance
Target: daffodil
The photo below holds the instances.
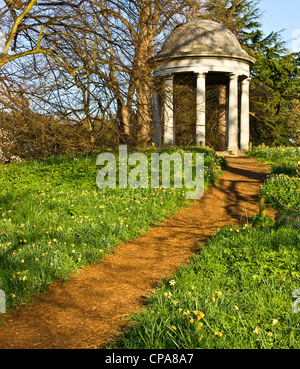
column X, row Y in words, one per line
column 256, row 330
column 200, row 315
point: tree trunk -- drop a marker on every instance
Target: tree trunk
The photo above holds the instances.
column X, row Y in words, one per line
column 144, row 51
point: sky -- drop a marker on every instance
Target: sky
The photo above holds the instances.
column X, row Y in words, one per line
column 279, row 15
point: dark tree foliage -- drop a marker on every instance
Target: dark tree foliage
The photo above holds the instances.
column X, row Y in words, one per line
column 275, row 84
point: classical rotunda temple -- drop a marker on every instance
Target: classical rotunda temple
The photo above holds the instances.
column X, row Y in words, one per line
column 210, row 54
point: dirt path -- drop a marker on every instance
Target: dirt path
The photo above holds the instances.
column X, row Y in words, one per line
column 90, row 310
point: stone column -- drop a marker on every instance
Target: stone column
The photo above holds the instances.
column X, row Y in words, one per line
column 169, row 136
column 245, row 129
column 200, row 108
column 156, row 135
column 232, row 145
column 222, row 117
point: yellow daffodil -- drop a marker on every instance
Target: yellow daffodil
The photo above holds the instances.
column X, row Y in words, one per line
column 200, row 315
column 219, row 334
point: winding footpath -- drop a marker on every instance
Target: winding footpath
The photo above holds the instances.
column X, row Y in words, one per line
column 91, row 309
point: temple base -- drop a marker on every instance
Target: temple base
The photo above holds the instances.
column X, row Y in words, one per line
column 232, row 153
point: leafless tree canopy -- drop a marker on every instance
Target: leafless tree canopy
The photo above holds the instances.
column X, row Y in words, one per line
column 85, row 63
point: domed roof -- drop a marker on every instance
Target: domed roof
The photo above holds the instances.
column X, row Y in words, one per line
column 201, row 37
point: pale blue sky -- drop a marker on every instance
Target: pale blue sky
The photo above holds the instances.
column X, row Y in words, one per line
column 282, row 14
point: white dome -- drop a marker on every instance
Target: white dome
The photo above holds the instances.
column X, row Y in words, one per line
column 201, row 38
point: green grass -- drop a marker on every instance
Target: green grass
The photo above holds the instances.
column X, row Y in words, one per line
column 241, row 281
column 236, row 293
column 282, row 192
column 282, row 189
column 54, row 220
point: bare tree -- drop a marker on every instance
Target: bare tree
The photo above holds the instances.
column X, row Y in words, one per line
column 133, row 31
column 32, row 27
column 88, row 60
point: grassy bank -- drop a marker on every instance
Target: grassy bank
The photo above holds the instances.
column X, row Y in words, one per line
column 55, row 220
column 237, row 292
column 282, row 189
